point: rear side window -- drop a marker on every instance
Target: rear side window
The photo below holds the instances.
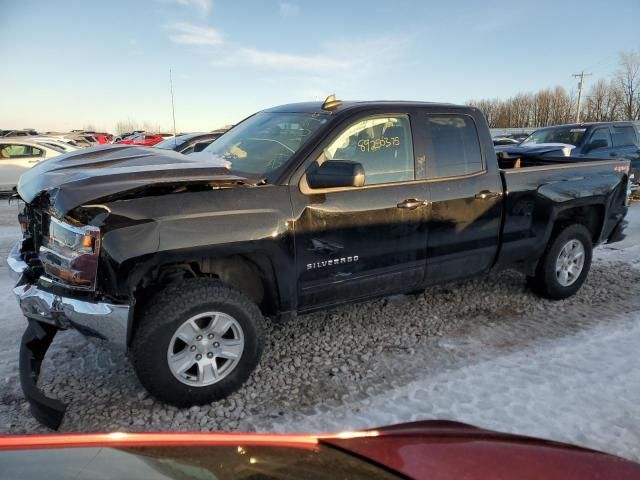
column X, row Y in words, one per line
column 624, row 136
column 455, row 148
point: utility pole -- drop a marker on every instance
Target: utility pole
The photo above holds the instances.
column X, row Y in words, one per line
column 173, row 109
column 581, row 76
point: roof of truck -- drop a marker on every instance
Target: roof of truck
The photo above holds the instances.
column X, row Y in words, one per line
column 316, row 107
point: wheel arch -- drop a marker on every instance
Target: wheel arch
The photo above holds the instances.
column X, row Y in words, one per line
column 252, row 273
column 591, row 216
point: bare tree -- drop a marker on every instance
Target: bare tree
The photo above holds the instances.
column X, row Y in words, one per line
column 628, row 79
column 125, row 126
column 603, row 103
column 616, row 99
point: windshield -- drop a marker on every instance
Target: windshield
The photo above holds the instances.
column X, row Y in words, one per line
column 569, row 135
column 170, row 142
column 265, row 142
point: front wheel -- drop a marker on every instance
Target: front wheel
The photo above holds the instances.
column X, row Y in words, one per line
column 198, row 342
column 564, row 266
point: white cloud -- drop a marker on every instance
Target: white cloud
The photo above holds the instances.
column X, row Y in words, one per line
column 347, row 56
column 203, row 5
column 290, row 61
column 188, row 34
column 289, row 10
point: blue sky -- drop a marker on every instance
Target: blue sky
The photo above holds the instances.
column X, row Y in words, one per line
column 73, row 63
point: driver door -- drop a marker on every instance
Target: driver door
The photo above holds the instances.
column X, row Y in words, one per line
column 358, row 242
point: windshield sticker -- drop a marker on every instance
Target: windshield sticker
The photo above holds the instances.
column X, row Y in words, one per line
column 578, row 130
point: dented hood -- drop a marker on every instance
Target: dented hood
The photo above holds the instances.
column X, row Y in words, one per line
column 94, row 173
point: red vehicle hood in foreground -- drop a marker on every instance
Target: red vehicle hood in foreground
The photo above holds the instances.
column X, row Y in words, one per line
column 434, row 450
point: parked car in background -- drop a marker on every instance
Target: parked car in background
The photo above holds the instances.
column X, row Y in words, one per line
column 505, row 141
column 178, row 258
column 17, row 155
column 189, row 143
column 590, row 140
column 18, row 133
column 429, row 450
column 61, row 137
column 126, row 136
column 81, row 139
column 144, row 139
column 103, row 138
column 510, row 138
column 47, row 141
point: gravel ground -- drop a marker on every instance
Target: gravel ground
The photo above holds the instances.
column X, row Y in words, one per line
column 485, row 351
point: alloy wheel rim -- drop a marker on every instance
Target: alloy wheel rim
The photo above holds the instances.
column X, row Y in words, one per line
column 570, row 262
column 205, row 348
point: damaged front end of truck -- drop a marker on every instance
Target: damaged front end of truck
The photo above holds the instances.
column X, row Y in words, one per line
column 64, row 268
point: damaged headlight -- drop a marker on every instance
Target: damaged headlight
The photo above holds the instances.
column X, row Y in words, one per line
column 70, row 253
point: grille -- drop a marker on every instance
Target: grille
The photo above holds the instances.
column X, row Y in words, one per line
column 38, row 226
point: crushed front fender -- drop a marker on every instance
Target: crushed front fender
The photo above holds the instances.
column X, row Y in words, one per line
column 35, row 342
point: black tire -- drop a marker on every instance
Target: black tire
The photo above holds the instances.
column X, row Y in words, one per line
column 545, row 281
column 166, row 312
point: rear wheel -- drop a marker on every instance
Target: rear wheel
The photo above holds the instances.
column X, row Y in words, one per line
column 197, row 343
column 564, row 266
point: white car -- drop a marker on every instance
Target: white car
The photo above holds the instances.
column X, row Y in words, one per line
column 17, row 155
column 54, row 142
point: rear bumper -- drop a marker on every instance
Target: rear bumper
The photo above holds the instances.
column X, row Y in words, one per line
column 98, row 319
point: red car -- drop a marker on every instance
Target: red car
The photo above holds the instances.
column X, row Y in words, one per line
column 103, row 138
column 434, row 450
column 145, row 139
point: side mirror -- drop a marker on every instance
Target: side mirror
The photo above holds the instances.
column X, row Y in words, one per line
column 336, row 173
column 596, row 144
column 200, row 146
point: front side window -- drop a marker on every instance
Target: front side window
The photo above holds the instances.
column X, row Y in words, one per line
column 624, row 136
column 381, row 144
column 264, row 143
column 602, row 135
column 455, row 148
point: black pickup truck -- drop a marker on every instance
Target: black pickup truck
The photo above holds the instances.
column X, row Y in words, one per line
column 297, row 208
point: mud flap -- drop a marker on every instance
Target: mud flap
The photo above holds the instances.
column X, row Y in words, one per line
column 618, row 234
column 35, row 342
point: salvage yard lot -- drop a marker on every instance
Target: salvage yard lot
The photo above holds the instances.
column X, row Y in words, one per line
column 486, row 352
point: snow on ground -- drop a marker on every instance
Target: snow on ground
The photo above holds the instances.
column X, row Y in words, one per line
column 486, row 352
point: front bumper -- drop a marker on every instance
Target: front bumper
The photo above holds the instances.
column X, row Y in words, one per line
column 98, row 319
column 47, row 313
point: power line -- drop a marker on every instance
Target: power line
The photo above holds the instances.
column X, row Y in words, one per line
column 581, row 76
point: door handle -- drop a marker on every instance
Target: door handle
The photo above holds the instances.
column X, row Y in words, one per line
column 412, row 203
column 613, row 154
column 33, row 161
column 487, row 194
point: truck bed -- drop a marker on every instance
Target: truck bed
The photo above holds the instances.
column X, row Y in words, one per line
column 508, row 162
column 536, row 188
